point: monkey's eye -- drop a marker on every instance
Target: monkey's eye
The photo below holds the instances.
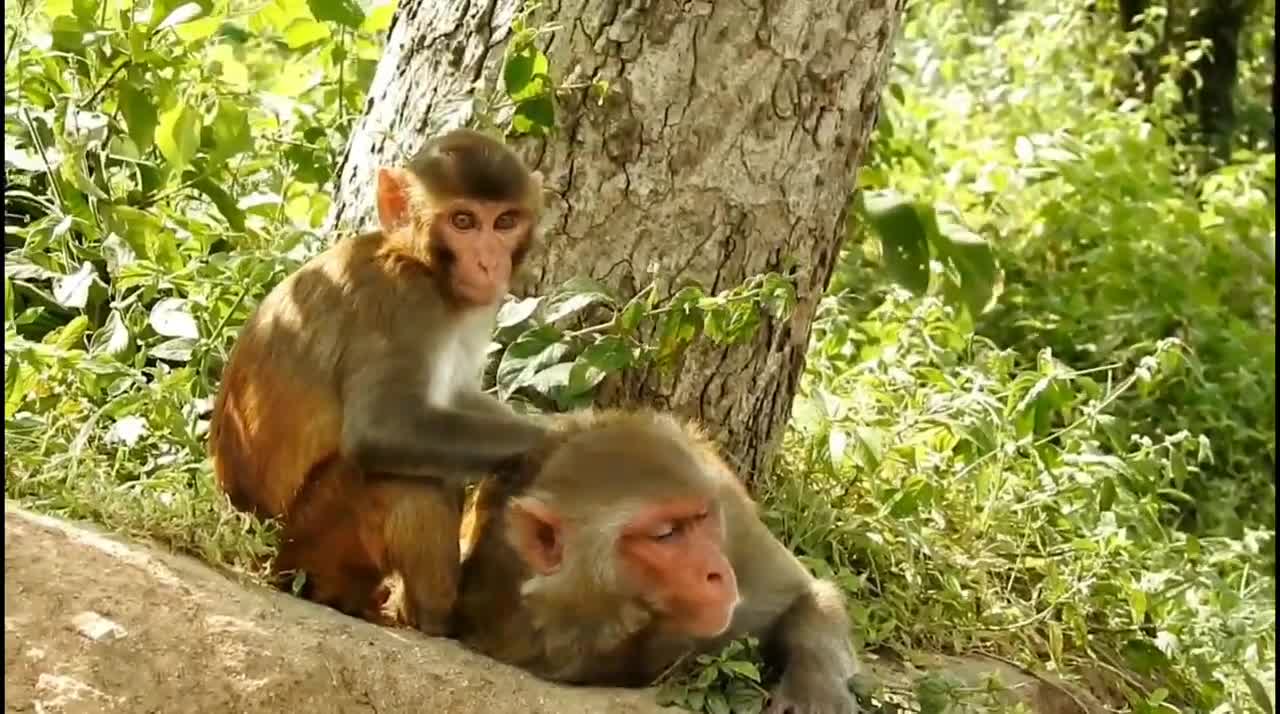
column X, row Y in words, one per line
column 665, row 533
column 506, row 221
column 463, row 220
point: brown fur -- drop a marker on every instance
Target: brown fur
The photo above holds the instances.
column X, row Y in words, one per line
column 278, row 462
column 585, row 628
column 372, row 310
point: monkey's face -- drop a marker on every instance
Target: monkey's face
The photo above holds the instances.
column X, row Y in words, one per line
column 479, row 244
column 672, row 554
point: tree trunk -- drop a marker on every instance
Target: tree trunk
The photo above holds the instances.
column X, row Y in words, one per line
column 726, row 148
column 1212, row 100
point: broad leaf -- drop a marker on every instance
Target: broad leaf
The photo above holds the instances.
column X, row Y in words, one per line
column 172, row 317
column 532, row 352
column 903, row 236
column 514, row 312
column 178, row 135
column 73, row 290
column 344, row 12
column 139, row 115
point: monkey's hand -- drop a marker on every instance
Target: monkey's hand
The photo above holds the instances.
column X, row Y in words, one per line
column 811, row 691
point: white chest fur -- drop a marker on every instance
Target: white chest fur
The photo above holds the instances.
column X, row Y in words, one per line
column 458, row 360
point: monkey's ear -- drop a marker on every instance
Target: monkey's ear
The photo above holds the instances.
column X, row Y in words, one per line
column 396, row 194
column 534, row 529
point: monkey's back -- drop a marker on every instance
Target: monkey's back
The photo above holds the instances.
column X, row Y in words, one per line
column 278, row 413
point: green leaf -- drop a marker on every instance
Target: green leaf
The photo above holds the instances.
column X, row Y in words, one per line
column 606, row 356
column 675, row 330
column 70, row 336
column 344, row 12
column 171, row 317
column 514, row 312
column 181, row 14
column 1258, row 692
column 973, row 261
column 1107, row 494
column 1137, row 604
column 178, row 135
column 552, row 380
column 223, row 201
column 575, row 296
column 717, row 704
column 139, row 115
column 231, row 133
column 20, row 380
column 197, row 30
column 67, row 35
column 534, row 116
column 73, row 290
column 10, row 300
column 179, row 349
column 113, row 339
column 903, row 237
column 303, row 32
column 742, row 669
column 530, row 353
column 1143, row 656
column 133, row 226
column 379, row 18
column 634, row 311
column 519, row 72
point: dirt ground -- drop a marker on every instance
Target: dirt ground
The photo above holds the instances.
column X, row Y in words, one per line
column 95, row 623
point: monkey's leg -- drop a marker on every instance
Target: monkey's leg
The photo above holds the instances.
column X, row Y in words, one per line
column 326, row 537
column 421, row 538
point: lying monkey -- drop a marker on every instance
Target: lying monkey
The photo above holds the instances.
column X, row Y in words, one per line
column 631, row 545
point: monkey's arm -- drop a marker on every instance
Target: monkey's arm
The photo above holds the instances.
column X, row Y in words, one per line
column 389, row 427
column 801, row 621
column 481, row 403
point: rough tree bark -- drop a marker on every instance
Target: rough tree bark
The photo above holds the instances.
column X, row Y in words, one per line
column 728, row 148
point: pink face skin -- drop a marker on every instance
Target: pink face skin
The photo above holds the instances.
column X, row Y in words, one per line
column 675, row 552
column 482, row 237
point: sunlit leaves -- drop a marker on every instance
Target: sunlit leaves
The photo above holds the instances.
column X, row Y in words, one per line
column 727, row 682
column 178, row 134
column 905, row 235
column 140, row 114
column 530, row 353
column 343, row 12
column 545, row 354
column 73, row 290
column 232, row 134
column 910, row 232
column 180, row 15
column 527, row 81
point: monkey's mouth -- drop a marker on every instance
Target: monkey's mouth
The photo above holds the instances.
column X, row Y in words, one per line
column 712, row 624
column 478, row 294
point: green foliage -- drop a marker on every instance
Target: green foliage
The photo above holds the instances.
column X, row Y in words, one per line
column 911, row 235
column 969, row 503
column 559, row 368
column 722, row 683
column 163, row 169
column 1109, row 236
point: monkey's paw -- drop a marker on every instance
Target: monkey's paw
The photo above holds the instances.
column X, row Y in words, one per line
column 801, row 695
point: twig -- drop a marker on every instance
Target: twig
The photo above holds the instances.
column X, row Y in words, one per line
column 1027, row 670
column 106, row 83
